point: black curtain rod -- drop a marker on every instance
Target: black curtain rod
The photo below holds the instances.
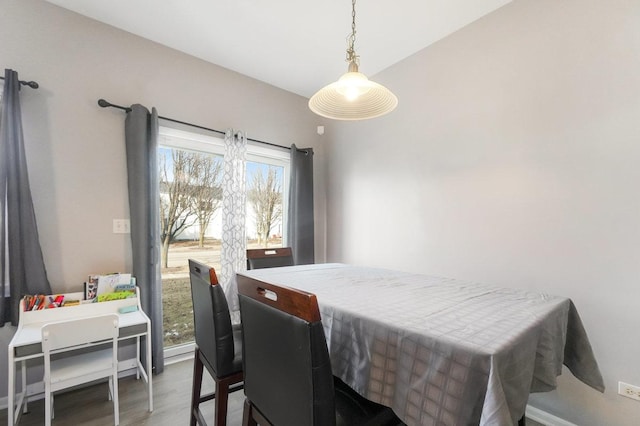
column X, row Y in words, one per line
column 106, row 104
column 31, row 84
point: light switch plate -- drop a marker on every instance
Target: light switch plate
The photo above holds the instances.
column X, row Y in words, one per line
column 121, row 226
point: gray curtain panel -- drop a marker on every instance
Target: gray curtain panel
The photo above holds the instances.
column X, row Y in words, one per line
column 141, row 139
column 23, row 270
column 300, row 228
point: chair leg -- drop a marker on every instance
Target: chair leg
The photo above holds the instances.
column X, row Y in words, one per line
column 222, row 397
column 247, row 415
column 197, row 386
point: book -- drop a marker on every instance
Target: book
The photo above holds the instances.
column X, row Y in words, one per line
column 28, row 303
column 108, row 283
column 130, row 286
column 39, row 301
column 116, row 295
column 90, row 289
column 59, row 300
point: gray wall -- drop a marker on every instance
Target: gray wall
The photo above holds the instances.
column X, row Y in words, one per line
column 512, row 159
column 75, row 150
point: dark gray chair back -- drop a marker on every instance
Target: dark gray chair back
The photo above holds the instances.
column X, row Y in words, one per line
column 212, row 321
column 269, row 257
column 287, row 369
column 218, row 344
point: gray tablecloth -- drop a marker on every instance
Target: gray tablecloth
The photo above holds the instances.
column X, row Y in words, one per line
column 441, row 351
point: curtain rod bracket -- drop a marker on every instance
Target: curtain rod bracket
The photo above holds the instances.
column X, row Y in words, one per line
column 31, row 84
column 106, row 104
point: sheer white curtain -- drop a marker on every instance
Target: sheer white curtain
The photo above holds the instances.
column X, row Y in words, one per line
column 234, row 240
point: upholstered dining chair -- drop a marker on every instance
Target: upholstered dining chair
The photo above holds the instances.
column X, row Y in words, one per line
column 72, row 357
column 288, row 377
column 269, row 257
column 218, row 344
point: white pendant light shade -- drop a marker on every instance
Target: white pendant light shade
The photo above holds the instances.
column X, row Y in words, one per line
column 353, row 97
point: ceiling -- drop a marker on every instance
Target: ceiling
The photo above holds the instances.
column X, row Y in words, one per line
column 295, row 45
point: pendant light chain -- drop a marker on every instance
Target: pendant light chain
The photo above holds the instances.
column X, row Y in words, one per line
column 351, row 39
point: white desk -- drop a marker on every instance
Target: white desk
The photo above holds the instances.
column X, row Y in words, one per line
column 27, row 341
column 442, row 351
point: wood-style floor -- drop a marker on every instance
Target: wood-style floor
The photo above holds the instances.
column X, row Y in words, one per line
column 171, row 393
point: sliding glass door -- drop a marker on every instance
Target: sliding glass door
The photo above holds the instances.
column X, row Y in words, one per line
column 191, row 173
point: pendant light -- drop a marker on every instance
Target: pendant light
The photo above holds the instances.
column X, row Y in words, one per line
column 353, row 96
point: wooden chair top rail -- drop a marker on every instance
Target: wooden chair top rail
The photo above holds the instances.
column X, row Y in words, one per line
column 268, row 252
column 300, row 303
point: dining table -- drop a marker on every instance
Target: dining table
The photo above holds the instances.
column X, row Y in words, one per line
column 442, row 351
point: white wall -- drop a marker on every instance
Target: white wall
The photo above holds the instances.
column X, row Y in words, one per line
column 512, row 159
column 75, row 149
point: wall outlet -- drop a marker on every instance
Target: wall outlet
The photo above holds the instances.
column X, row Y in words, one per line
column 630, row 391
column 121, row 226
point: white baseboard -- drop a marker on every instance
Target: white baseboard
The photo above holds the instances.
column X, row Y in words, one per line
column 35, row 391
column 545, row 418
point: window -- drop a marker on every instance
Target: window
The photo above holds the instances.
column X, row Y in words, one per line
column 191, row 175
column 267, row 196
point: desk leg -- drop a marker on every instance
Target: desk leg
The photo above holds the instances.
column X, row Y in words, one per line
column 11, row 391
column 24, row 385
column 138, row 358
column 149, row 367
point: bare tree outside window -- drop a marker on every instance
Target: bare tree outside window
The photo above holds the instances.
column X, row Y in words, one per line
column 174, row 197
column 265, row 196
column 206, row 191
column 190, row 194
